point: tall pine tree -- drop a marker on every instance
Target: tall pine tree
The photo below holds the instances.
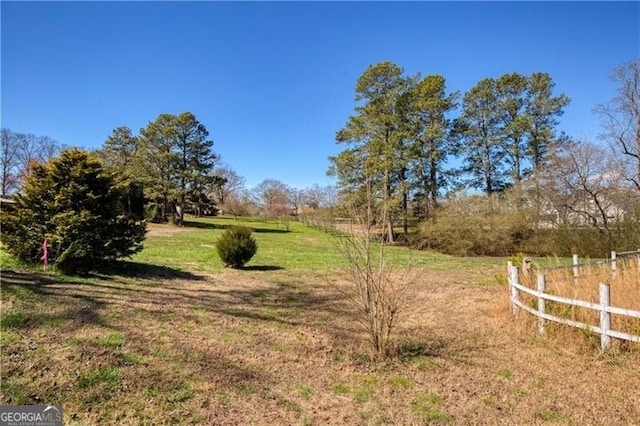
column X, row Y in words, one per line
column 430, row 146
column 368, row 168
column 179, row 159
column 481, row 139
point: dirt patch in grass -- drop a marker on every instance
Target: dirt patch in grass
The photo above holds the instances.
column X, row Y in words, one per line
column 277, row 347
column 162, row 230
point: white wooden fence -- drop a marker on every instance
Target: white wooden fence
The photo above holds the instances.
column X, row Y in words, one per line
column 603, row 306
column 575, row 263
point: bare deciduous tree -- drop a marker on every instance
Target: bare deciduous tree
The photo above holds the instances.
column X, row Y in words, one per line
column 18, row 151
column 272, row 196
column 9, row 162
column 321, row 196
column 377, row 294
column 586, row 186
column 621, row 117
column 229, row 192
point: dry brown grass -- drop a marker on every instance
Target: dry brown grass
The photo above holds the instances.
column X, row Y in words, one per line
column 276, row 347
column 625, row 293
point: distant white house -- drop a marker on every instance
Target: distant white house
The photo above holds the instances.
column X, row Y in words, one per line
column 581, row 211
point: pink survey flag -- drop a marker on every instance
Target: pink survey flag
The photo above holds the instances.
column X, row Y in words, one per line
column 44, row 255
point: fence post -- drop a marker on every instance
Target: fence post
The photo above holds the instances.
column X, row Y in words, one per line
column 515, row 294
column 575, row 266
column 614, row 261
column 605, row 317
column 541, row 307
column 526, row 265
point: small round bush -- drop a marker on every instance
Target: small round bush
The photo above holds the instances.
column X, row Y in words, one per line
column 236, row 246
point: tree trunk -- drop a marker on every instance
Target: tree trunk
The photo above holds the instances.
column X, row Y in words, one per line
column 433, row 183
column 405, row 203
column 180, row 211
column 405, row 219
column 518, row 173
column 386, row 216
column 165, row 205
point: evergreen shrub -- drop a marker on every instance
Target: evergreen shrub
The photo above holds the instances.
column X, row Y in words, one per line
column 236, row 246
column 79, row 207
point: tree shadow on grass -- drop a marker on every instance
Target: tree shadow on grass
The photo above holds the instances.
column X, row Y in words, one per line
column 204, row 225
column 120, row 268
column 274, row 304
column 281, row 302
column 409, row 349
column 129, row 269
column 261, row 268
column 34, row 280
column 271, row 231
column 417, row 346
column 28, row 286
column 254, row 228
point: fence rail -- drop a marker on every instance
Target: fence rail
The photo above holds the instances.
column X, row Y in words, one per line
column 603, row 307
column 575, row 263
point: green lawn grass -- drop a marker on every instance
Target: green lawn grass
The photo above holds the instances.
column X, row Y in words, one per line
column 191, row 248
column 7, row 261
column 303, row 248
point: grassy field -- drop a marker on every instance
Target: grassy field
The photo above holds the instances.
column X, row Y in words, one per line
column 172, row 337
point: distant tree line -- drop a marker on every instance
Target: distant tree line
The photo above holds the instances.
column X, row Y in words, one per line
column 167, row 169
column 172, row 166
column 415, row 151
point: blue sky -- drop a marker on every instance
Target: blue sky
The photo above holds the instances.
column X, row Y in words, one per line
column 274, row 81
